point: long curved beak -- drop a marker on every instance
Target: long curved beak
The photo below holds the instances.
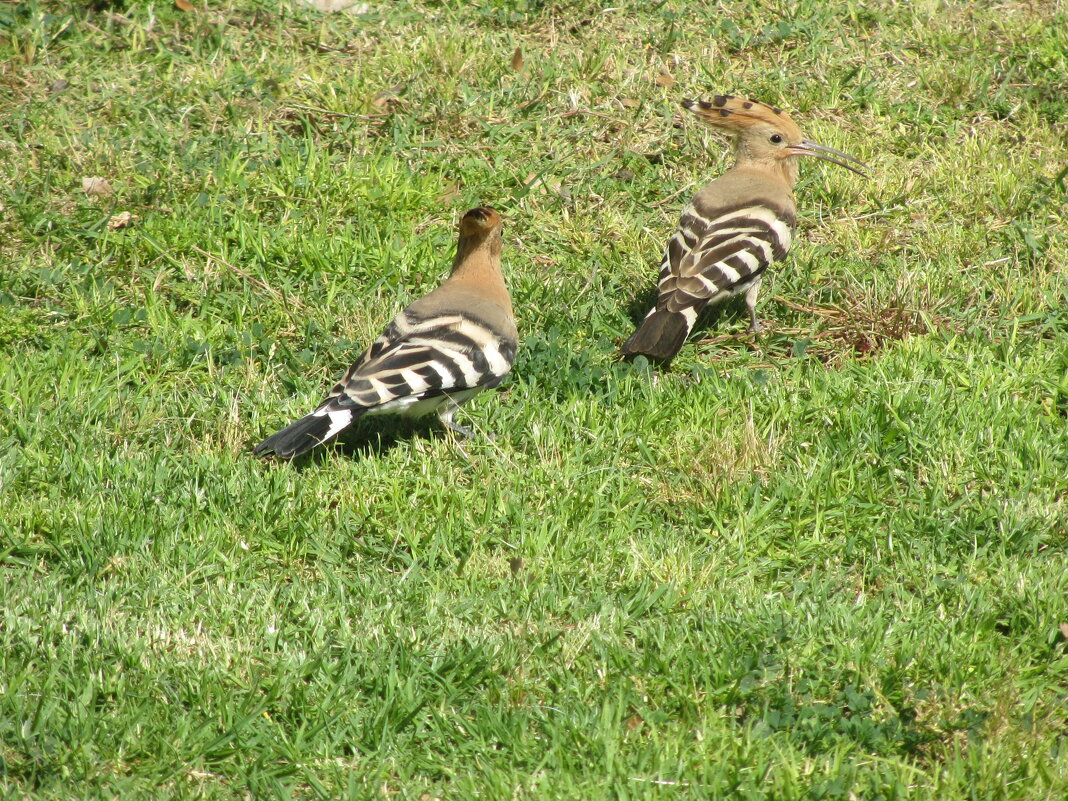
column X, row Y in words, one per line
column 808, row 148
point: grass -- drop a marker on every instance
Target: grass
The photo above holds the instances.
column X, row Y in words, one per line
column 827, row 562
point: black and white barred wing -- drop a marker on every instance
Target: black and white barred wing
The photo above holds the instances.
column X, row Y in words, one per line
column 420, row 364
column 443, row 356
column 708, row 260
column 416, row 367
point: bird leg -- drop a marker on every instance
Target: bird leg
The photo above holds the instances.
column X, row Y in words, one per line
column 750, row 303
column 445, row 413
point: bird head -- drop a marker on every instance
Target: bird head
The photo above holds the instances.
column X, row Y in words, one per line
column 479, row 221
column 480, row 230
column 767, row 137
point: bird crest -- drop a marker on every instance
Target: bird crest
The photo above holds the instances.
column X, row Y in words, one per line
column 738, row 114
column 483, row 218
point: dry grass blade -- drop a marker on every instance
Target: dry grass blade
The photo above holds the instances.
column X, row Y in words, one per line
column 286, row 300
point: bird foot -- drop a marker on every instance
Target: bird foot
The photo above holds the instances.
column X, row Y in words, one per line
column 463, row 431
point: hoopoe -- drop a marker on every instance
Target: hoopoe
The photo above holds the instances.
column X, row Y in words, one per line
column 734, row 227
column 438, row 353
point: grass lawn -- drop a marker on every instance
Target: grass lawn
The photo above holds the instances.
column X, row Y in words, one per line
column 826, row 562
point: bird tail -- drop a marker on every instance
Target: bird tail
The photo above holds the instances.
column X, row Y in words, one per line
column 304, row 434
column 660, row 336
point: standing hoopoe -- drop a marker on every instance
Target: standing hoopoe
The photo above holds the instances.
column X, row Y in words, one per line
column 438, row 353
column 734, row 227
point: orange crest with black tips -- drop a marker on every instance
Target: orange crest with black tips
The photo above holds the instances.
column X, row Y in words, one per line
column 738, row 114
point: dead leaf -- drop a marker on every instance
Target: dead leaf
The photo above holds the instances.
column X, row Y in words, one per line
column 663, row 79
column 517, row 60
column 97, row 187
column 333, row 6
column 185, row 5
column 386, row 96
column 629, row 102
column 452, row 191
column 121, row 220
column 864, row 345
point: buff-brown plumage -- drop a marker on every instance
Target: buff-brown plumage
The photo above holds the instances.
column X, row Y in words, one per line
column 435, row 355
column 735, row 227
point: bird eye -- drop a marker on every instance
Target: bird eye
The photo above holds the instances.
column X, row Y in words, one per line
column 776, row 139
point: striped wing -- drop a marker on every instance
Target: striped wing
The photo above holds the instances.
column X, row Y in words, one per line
column 422, row 363
column 418, row 358
column 707, row 260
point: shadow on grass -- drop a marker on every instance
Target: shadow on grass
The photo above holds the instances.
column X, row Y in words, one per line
column 370, row 440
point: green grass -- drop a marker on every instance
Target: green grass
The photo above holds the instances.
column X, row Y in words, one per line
column 824, row 563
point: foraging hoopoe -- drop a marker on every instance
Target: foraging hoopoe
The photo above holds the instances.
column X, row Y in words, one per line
column 734, row 227
column 438, row 353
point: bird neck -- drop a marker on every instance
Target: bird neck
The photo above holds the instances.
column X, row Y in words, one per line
column 478, row 265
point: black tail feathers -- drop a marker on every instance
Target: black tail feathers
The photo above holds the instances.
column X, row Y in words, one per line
column 660, row 336
column 304, row 434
